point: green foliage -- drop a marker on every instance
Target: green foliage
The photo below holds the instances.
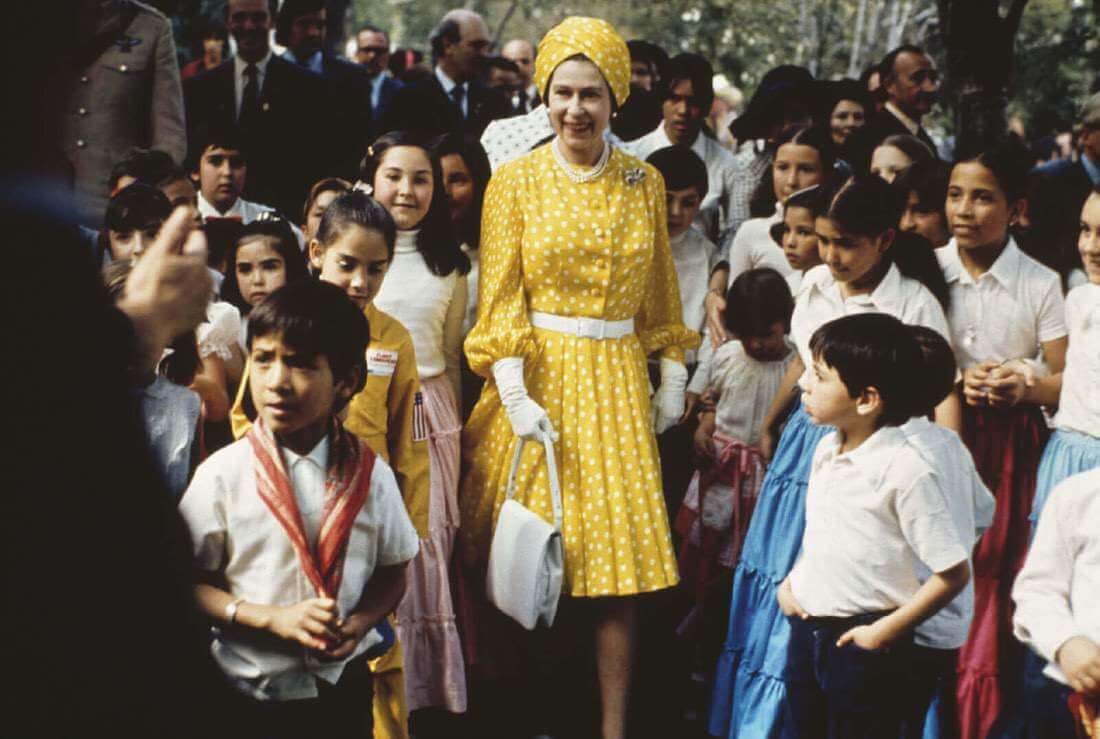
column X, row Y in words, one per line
column 1057, row 53
column 1057, row 59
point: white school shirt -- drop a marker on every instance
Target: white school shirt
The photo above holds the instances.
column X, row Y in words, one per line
column 429, row 306
column 872, row 516
column 1079, row 402
column 233, row 532
column 753, row 246
column 1057, row 592
column 745, row 388
column 1007, row 312
column 246, row 211
column 819, row 301
column 713, row 217
column 970, row 505
column 693, row 255
column 794, row 281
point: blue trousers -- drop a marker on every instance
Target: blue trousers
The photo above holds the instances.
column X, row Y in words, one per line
column 845, row 692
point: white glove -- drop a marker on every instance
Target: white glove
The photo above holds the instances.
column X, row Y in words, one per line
column 668, row 402
column 529, row 420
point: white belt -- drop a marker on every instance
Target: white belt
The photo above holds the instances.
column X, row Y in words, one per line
column 585, row 328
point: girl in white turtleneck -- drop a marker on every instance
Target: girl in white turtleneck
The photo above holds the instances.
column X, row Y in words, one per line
column 425, row 290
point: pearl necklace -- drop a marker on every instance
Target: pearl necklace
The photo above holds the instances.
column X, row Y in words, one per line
column 581, row 177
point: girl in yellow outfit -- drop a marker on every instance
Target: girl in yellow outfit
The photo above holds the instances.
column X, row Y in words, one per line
column 384, row 414
column 576, row 230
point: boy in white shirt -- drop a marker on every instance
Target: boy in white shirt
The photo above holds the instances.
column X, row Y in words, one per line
column 300, row 534
column 1057, row 596
column 693, row 254
column 971, row 506
column 218, row 165
column 874, row 514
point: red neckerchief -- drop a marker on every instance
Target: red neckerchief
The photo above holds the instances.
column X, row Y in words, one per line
column 346, row 485
column 1086, row 714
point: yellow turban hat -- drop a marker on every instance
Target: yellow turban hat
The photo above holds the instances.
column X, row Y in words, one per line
column 594, row 38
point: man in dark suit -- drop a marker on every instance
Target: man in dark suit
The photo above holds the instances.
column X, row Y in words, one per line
column 1060, row 190
column 911, row 83
column 522, row 52
column 373, row 53
column 279, row 107
column 301, row 28
column 452, row 99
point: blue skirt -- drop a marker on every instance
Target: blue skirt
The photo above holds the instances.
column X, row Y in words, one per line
column 1066, row 454
column 749, row 691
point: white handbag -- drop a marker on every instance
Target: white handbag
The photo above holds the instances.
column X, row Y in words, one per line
column 525, row 557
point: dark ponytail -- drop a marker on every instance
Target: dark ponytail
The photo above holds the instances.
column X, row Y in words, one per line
column 867, row 205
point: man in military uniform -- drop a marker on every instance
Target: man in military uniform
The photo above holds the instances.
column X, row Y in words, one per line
column 128, row 94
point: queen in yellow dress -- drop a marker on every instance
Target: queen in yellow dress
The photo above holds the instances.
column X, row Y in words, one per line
column 577, row 288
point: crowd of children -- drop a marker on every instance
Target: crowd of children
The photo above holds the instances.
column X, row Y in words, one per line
column 882, row 482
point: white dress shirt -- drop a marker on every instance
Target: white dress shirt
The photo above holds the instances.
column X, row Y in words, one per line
column 970, row 505
column 753, row 247
column 873, row 515
column 819, row 301
column 1008, row 312
column 431, row 307
column 246, row 211
column 794, row 282
column 234, row 533
column 239, row 80
column 713, row 217
column 693, row 255
column 1079, row 403
column 745, row 388
column 1057, row 592
column 449, row 85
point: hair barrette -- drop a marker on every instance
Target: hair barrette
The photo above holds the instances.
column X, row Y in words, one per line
column 270, row 216
column 363, row 187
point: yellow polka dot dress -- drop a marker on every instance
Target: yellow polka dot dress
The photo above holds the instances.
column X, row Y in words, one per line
column 598, row 249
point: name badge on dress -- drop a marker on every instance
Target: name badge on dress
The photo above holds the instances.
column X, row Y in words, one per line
column 381, row 362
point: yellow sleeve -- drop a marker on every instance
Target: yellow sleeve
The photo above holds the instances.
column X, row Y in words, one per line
column 408, row 454
column 239, row 421
column 660, row 320
column 503, row 328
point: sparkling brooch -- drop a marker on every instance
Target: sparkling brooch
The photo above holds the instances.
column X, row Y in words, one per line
column 634, row 176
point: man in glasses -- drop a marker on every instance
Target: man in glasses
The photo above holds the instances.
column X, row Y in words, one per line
column 373, row 53
column 911, row 84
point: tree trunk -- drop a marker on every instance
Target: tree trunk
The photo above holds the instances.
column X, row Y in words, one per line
column 856, row 57
column 979, row 74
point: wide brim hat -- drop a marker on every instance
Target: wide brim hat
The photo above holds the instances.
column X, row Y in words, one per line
column 778, row 85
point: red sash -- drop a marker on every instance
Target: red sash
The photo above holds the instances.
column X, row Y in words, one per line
column 346, row 485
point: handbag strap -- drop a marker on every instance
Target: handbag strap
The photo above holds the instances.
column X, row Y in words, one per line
column 552, row 470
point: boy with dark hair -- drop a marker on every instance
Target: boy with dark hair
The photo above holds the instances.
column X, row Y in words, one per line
column 686, row 94
column 686, row 187
column 874, row 516
column 300, row 534
column 218, row 165
column 133, row 219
